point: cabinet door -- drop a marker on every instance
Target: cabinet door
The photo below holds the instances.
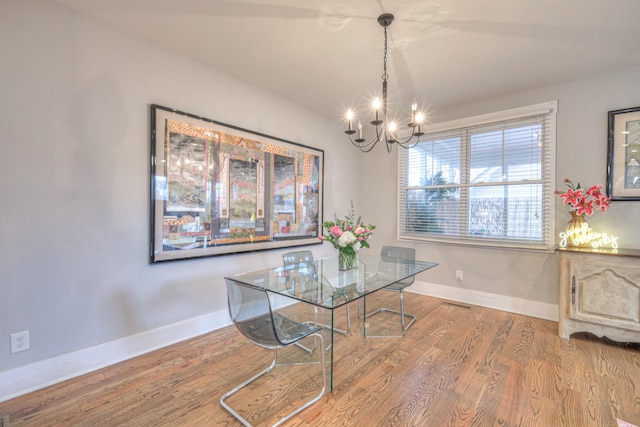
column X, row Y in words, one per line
column 606, row 291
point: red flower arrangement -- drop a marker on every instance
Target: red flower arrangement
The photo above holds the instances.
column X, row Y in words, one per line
column 584, row 201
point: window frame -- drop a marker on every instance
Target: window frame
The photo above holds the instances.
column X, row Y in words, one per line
column 548, row 166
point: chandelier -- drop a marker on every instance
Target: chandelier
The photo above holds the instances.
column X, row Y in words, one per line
column 385, row 130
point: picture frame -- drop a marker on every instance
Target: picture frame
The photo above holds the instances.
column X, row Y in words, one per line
column 218, row 189
column 623, row 154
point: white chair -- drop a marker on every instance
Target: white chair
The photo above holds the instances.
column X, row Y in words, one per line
column 251, row 311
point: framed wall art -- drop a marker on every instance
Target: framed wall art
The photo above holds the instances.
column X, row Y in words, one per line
column 623, row 168
column 218, row 189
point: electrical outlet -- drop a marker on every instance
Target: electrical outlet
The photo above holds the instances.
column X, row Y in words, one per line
column 459, row 275
column 20, row 341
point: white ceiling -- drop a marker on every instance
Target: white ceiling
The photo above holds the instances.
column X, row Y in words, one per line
column 327, row 55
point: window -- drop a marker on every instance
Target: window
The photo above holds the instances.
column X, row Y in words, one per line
column 486, row 180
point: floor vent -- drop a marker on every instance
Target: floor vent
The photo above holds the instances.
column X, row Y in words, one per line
column 4, row 421
column 457, row 304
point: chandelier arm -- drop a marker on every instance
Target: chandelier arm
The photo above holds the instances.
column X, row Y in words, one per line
column 373, row 141
column 362, row 144
column 390, row 146
column 407, row 139
column 365, row 144
column 367, row 149
column 381, row 133
column 408, row 144
column 368, row 146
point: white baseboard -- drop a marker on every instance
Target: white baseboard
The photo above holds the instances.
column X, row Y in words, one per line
column 19, row 381
column 25, row 379
column 537, row 309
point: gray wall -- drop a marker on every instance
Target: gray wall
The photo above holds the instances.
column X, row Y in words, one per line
column 74, row 169
column 581, row 149
column 74, row 114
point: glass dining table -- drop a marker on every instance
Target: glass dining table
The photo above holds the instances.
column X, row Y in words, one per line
column 322, row 284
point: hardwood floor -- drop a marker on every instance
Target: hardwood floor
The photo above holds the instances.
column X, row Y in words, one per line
column 457, row 366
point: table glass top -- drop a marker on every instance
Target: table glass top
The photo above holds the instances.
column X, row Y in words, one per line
column 322, row 284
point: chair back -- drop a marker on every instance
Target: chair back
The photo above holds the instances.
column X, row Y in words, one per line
column 396, row 259
column 299, row 257
column 251, row 312
column 303, row 260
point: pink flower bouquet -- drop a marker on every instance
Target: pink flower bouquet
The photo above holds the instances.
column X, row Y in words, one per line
column 584, row 202
column 348, row 236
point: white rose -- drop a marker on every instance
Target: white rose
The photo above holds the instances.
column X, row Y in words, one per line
column 347, row 238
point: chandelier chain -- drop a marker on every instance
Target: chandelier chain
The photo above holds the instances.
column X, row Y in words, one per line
column 385, row 76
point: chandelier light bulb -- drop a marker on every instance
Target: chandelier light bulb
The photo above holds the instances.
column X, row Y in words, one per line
column 350, row 131
column 414, row 105
column 376, row 104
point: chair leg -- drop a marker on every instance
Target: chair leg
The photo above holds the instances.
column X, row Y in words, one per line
column 403, row 314
column 267, row 370
column 242, row 385
column 402, row 318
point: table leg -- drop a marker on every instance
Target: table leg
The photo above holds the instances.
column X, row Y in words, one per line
column 332, row 345
column 364, row 316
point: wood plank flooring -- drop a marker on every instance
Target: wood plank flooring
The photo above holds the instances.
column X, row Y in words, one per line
column 457, row 366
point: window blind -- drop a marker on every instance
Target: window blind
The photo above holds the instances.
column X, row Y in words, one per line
column 486, row 180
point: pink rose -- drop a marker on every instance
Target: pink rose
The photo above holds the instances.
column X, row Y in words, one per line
column 321, row 237
column 361, row 238
column 335, row 230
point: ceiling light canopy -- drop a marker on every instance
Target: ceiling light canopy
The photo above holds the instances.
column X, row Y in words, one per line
column 385, row 131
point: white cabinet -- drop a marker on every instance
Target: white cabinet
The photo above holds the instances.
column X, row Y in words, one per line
column 600, row 293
